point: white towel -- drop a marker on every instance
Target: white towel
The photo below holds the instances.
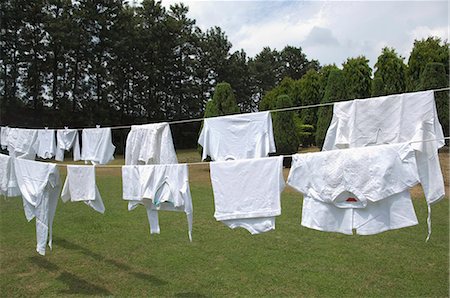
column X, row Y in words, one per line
column 80, row 186
column 237, row 136
column 247, row 192
column 46, row 143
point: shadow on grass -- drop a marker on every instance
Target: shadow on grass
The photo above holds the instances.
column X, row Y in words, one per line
column 79, row 286
column 189, row 295
column 122, row 266
column 75, row 284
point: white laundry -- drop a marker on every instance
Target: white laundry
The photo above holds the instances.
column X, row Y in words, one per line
column 22, row 143
column 80, row 186
column 4, row 132
column 66, row 140
column 97, row 145
column 150, row 144
column 366, row 189
column 393, row 119
column 45, row 143
column 40, row 185
column 237, row 136
column 8, row 180
column 158, row 187
column 247, row 192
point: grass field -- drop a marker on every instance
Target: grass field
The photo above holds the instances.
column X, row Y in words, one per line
column 114, row 254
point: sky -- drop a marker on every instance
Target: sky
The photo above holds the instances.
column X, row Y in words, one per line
column 329, row 31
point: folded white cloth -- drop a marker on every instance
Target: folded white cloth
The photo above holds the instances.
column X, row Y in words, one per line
column 8, row 180
column 158, row 187
column 80, row 186
column 366, row 189
column 409, row 117
column 67, row 139
column 150, row 144
column 40, row 185
column 22, row 143
column 247, row 192
column 46, row 143
column 237, row 136
column 97, row 145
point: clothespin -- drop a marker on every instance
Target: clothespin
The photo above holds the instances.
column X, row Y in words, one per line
column 66, row 127
column 97, row 126
column 46, row 127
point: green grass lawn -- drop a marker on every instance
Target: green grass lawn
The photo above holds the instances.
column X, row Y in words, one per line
column 114, row 254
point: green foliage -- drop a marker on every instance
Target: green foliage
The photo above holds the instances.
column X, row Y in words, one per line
column 305, row 132
column 284, row 128
column 295, row 64
column 357, row 75
column 434, row 77
column 223, row 102
column 287, row 87
column 310, row 94
column 334, row 91
column 390, row 74
column 432, row 49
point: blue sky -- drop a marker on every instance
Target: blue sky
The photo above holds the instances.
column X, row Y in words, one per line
column 330, row 31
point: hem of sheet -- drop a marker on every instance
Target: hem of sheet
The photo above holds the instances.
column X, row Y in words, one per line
column 253, row 225
column 244, row 215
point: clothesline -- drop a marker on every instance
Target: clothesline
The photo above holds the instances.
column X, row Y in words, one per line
column 272, row 111
column 207, row 162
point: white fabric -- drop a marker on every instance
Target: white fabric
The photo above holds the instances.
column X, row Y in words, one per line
column 40, row 185
column 80, row 186
column 237, row 136
column 45, row 143
column 393, row 119
column 67, row 139
column 8, row 181
column 4, row 132
column 22, row 143
column 366, row 189
column 158, row 187
column 247, row 192
column 150, row 144
column 97, row 146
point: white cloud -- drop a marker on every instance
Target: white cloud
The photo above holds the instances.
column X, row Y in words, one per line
column 329, row 31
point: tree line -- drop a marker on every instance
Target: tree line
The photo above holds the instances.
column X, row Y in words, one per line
column 86, row 62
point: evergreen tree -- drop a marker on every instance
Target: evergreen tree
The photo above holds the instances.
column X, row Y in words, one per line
column 223, row 102
column 434, row 77
column 295, row 64
column 286, row 87
column 334, row 91
column 390, row 74
column 432, row 49
column 357, row 74
column 310, row 94
column 284, row 128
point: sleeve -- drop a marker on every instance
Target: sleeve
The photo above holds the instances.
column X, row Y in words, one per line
column 298, row 174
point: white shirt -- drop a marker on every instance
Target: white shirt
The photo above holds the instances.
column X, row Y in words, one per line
column 393, row 119
column 158, row 187
column 46, row 143
column 8, row 180
column 237, row 136
column 366, row 189
column 97, row 145
column 40, row 185
column 247, row 189
column 22, row 143
column 80, row 186
column 150, row 144
column 67, row 139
